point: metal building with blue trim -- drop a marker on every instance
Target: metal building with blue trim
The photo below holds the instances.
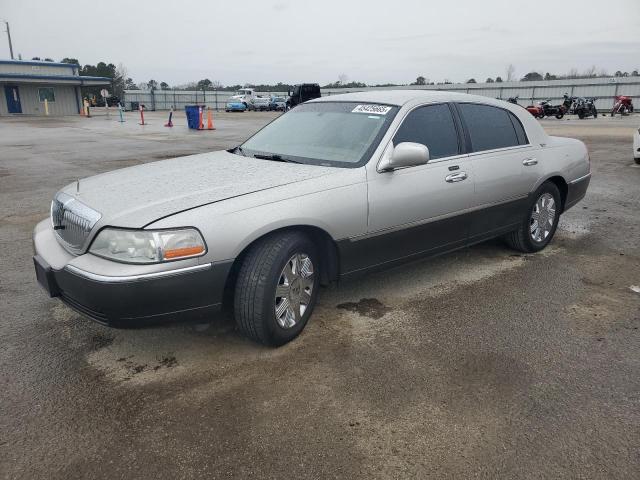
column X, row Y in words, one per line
column 24, row 86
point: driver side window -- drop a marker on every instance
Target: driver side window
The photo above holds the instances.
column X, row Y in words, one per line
column 433, row 126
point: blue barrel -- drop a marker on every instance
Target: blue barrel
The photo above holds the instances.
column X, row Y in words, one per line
column 193, row 115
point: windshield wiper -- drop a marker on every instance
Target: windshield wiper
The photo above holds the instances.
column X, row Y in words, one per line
column 239, row 150
column 275, row 157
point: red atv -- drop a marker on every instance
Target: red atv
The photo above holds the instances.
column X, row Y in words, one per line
column 622, row 104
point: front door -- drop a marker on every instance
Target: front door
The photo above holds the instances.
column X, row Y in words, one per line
column 13, row 98
column 418, row 210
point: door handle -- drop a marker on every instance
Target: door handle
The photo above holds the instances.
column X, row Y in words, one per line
column 456, row 177
column 527, row 162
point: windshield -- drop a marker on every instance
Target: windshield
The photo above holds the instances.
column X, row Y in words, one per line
column 342, row 134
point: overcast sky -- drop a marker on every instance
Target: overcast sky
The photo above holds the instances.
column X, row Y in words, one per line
column 373, row 41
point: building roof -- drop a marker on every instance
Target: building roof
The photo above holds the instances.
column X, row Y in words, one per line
column 53, row 79
column 38, row 63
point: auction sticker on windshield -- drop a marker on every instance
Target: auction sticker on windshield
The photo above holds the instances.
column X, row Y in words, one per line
column 377, row 109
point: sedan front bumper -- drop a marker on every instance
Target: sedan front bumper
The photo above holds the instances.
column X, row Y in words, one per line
column 183, row 293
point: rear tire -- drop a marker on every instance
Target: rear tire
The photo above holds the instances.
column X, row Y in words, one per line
column 277, row 288
column 637, row 160
column 537, row 227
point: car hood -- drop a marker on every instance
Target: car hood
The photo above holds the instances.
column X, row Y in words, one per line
column 136, row 196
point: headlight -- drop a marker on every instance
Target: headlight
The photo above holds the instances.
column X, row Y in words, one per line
column 148, row 246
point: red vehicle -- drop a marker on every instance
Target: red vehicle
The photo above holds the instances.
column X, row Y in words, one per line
column 546, row 109
column 622, row 104
column 536, row 110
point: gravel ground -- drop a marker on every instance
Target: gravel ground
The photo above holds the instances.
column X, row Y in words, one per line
column 481, row 363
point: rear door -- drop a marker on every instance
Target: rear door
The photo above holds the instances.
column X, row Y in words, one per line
column 504, row 165
column 419, row 209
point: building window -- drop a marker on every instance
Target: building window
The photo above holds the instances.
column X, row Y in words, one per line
column 46, row 93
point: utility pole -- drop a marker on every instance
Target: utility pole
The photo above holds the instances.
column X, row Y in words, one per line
column 9, row 36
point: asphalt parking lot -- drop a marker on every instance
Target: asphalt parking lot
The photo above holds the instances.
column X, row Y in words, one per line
column 484, row 363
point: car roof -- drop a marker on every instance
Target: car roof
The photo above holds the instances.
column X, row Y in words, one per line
column 534, row 130
column 401, row 97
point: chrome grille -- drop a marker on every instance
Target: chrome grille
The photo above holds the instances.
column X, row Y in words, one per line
column 72, row 221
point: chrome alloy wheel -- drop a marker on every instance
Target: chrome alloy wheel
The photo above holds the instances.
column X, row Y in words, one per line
column 293, row 293
column 543, row 217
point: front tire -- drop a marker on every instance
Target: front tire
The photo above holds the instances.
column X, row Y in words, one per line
column 540, row 221
column 277, row 288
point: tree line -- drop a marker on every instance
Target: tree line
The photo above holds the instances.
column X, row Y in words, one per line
column 592, row 72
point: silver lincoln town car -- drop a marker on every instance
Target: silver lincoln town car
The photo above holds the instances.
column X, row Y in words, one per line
column 332, row 189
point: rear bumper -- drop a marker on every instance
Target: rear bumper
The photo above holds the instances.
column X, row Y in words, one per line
column 576, row 190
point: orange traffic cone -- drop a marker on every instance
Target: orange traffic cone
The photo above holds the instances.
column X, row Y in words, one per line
column 210, row 120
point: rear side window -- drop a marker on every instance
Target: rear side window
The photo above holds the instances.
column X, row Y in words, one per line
column 490, row 127
column 432, row 126
column 522, row 137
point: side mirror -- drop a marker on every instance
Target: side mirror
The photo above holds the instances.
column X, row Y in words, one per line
column 405, row 154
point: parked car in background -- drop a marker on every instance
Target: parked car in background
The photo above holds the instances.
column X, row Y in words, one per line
column 334, row 188
column 278, row 104
column 636, row 146
column 235, row 105
column 260, row 104
column 302, row 93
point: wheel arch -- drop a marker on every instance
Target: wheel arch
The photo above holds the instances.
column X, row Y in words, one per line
column 561, row 183
column 324, row 242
